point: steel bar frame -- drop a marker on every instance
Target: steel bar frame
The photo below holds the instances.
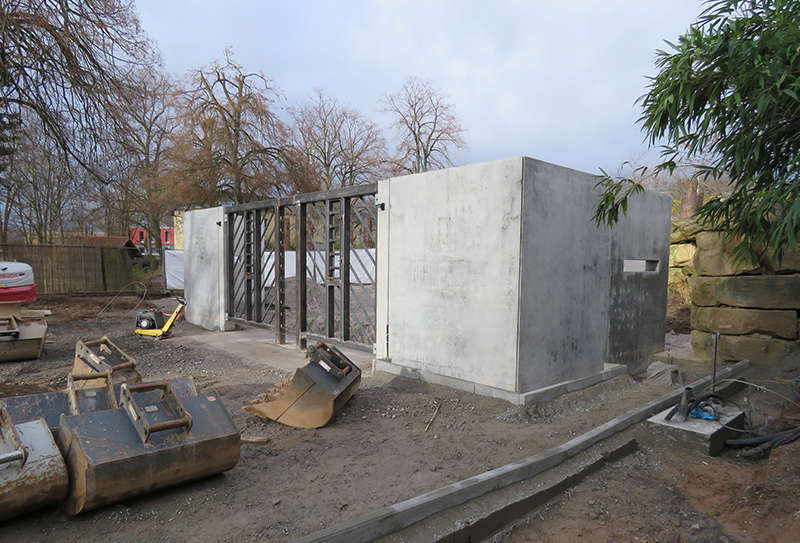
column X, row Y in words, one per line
column 329, row 223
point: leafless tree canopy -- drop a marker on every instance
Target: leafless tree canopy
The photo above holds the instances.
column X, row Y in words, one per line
column 426, row 126
column 94, row 135
column 341, row 146
column 63, row 59
column 235, row 122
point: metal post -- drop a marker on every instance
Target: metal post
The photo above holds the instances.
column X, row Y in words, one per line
column 228, row 225
column 258, row 272
column 248, row 264
column 280, row 302
column 300, row 275
column 330, row 268
column 344, row 268
column 714, row 365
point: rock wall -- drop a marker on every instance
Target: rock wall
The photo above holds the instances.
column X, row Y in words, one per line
column 682, row 249
column 753, row 307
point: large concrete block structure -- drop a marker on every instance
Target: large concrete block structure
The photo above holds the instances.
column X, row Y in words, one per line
column 493, row 278
column 204, row 268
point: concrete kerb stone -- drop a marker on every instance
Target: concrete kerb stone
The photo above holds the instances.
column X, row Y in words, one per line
column 541, row 394
column 395, row 517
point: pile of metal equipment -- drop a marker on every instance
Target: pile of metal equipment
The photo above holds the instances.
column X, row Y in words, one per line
column 22, row 331
column 315, row 393
column 108, row 436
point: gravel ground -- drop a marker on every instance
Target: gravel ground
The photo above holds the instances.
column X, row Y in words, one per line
column 374, row 453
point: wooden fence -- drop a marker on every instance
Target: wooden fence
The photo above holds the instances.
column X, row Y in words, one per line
column 67, row 269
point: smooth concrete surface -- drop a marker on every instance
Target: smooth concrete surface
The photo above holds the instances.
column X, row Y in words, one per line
column 564, row 277
column 638, row 304
column 609, row 371
column 705, row 436
column 493, row 276
column 383, row 262
column 453, row 271
column 258, row 346
column 204, row 268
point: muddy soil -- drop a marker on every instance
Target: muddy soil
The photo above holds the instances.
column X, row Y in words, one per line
column 374, row 453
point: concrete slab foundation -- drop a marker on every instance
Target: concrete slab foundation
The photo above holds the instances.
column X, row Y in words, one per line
column 705, row 436
column 257, row 346
column 541, row 394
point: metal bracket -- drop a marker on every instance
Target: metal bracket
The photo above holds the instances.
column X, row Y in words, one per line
column 19, row 454
column 138, row 416
column 72, row 392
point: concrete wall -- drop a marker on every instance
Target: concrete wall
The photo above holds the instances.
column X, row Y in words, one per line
column 204, row 268
column 637, row 320
column 565, row 278
column 494, row 275
column 453, row 271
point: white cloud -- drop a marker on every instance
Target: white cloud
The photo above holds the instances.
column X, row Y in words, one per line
column 555, row 80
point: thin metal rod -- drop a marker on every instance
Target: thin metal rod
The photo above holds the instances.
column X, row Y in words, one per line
column 714, row 364
column 300, row 275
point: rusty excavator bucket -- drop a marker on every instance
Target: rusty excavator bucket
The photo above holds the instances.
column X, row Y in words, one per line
column 22, row 334
column 103, row 356
column 99, row 370
column 149, row 442
column 315, row 393
column 32, row 471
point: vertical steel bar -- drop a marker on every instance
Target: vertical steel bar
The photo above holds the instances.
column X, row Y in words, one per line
column 257, row 265
column 248, row 264
column 229, row 264
column 344, row 267
column 330, row 272
column 280, row 302
column 300, row 275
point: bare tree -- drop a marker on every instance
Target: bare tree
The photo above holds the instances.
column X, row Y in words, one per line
column 61, row 60
column 247, row 137
column 45, row 185
column 342, row 147
column 426, row 125
column 146, row 122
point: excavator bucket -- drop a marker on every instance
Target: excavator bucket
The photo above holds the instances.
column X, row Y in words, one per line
column 32, row 471
column 315, row 393
column 100, row 356
column 21, row 338
column 146, row 444
column 51, row 405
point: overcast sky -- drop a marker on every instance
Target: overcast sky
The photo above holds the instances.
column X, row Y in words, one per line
column 549, row 79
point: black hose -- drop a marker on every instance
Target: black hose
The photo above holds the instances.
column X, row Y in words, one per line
column 746, row 442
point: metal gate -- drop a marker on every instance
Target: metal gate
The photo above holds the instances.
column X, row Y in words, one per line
column 329, row 239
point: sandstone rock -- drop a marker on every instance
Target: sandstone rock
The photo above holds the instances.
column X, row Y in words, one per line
column 681, row 254
column 759, row 350
column 684, row 230
column 754, row 291
column 714, row 257
column 664, row 374
column 789, row 263
column 736, row 321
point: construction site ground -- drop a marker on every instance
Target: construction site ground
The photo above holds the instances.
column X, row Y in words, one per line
column 376, row 451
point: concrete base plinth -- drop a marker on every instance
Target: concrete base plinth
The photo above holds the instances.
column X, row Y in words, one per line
column 705, row 436
column 518, row 398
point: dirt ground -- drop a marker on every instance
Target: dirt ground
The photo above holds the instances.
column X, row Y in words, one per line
column 665, row 494
column 377, row 452
column 678, row 314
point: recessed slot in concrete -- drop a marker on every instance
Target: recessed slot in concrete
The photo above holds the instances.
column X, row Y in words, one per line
column 640, row 265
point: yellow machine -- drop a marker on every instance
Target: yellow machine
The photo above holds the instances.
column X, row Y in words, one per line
column 150, row 322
